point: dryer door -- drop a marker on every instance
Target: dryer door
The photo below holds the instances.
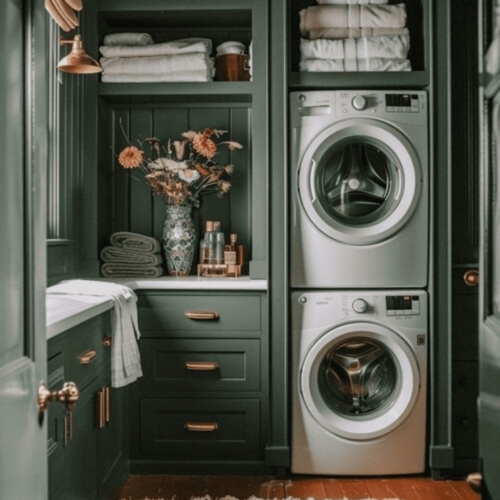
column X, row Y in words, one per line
column 360, row 381
column 360, row 181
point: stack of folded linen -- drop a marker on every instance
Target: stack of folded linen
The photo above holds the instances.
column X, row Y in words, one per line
column 354, row 35
column 132, row 255
column 134, row 57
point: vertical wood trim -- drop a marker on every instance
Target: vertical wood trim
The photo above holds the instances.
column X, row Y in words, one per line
column 441, row 237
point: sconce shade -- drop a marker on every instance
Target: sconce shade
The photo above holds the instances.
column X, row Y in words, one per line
column 78, row 61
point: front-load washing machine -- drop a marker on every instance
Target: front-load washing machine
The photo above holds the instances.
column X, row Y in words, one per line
column 359, row 182
column 359, row 365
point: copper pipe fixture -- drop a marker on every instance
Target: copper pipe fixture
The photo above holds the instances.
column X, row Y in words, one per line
column 78, row 61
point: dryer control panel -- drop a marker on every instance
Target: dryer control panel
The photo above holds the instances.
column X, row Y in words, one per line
column 402, row 305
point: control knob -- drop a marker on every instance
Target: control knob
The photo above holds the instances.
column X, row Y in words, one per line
column 359, row 102
column 360, row 305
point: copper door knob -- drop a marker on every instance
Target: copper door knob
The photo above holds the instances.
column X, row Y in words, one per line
column 471, row 277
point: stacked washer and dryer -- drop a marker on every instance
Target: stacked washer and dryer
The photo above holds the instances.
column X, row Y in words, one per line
column 358, row 271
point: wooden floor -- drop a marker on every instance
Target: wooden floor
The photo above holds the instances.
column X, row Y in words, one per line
column 242, row 487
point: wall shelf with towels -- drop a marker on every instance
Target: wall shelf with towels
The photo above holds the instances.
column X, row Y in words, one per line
column 419, row 24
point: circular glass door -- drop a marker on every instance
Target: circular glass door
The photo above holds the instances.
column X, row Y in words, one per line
column 360, row 181
column 360, row 381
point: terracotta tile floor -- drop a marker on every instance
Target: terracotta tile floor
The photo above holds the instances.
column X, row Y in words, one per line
column 185, row 487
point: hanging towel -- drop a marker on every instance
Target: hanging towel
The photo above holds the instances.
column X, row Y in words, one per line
column 200, row 75
column 353, row 2
column 128, row 39
column 394, row 47
column 116, row 254
column 370, row 64
column 352, row 16
column 125, row 356
column 182, row 46
column 156, row 64
column 340, row 33
column 135, row 242
column 129, row 270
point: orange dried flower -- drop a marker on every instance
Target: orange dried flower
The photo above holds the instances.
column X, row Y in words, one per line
column 130, row 157
column 203, row 145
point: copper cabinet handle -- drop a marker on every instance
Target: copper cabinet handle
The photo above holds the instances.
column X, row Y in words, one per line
column 201, row 426
column 471, row 277
column 87, row 357
column 101, row 419
column 107, row 341
column 202, row 315
column 202, row 366
column 107, row 394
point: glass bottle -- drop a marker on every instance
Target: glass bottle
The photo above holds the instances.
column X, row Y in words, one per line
column 219, row 243
column 205, row 243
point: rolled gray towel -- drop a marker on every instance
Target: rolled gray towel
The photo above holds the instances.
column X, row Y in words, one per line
column 119, row 270
column 124, row 256
column 128, row 39
column 135, row 242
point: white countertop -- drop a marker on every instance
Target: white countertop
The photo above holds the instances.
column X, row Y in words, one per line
column 66, row 311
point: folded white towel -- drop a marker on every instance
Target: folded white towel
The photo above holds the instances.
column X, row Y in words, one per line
column 135, row 242
column 156, row 65
column 352, row 16
column 128, row 270
column 120, row 255
column 338, row 33
column 352, row 2
column 395, row 47
column 128, row 39
column 182, row 46
column 125, row 356
column 197, row 75
column 370, row 64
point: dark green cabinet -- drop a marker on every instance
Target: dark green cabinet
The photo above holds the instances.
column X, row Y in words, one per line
column 87, row 447
column 202, row 403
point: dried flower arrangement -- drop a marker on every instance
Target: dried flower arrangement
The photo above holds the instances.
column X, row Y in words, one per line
column 185, row 168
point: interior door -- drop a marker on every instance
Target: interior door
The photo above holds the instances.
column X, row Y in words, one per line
column 23, row 470
column 489, row 326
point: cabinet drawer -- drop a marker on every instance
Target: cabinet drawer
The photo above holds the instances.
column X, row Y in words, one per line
column 168, row 313
column 84, row 349
column 200, row 365
column 232, row 428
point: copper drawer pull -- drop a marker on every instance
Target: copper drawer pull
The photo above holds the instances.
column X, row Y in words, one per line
column 201, row 426
column 106, row 341
column 202, row 315
column 87, row 357
column 202, row 366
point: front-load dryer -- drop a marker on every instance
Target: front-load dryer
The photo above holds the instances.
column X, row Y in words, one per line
column 359, row 189
column 359, row 375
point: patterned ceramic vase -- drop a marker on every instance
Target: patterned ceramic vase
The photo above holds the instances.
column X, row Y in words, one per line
column 179, row 240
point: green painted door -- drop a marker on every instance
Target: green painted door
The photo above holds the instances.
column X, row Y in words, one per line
column 489, row 325
column 23, row 453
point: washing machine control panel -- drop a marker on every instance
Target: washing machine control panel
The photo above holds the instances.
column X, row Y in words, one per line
column 402, row 305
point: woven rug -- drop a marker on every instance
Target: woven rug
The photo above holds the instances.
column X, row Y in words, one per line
column 229, row 497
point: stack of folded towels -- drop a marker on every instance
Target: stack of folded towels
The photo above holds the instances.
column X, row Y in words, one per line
column 132, row 255
column 354, row 35
column 134, row 57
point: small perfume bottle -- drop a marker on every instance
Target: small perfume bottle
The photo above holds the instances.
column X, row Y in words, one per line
column 230, row 253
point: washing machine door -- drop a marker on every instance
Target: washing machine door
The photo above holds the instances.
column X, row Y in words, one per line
column 360, row 380
column 360, row 181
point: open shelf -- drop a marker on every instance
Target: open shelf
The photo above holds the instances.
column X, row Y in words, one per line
column 419, row 25
column 349, row 80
